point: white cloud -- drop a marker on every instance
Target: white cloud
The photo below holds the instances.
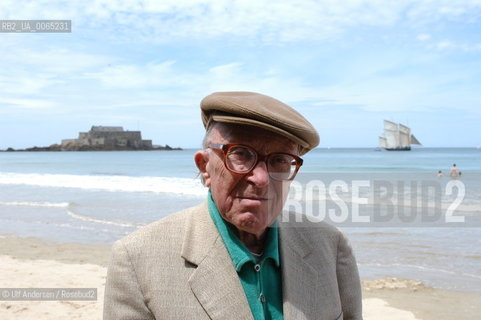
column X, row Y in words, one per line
column 458, row 46
column 151, row 75
column 23, row 83
column 54, row 60
column 235, row 77
column 33, row 69
column 444, row 44
column 164, row 84
column 266, row 21
column 423, row 37
column 164, row 78
column 30, row 104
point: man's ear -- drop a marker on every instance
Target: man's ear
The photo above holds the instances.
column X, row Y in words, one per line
column 201, row 159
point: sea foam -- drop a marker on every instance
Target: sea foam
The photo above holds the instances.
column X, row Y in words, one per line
column 184, row 186
column 36, row 204
column 103, row 221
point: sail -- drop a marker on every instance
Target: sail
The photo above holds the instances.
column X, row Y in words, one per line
column 397, row 137
column 414, row 140
column 382, row 142
column 404, row 140
column 404, row 129
column 391, row 134
column 404, row 136
column 390, row 126
column 392, row 138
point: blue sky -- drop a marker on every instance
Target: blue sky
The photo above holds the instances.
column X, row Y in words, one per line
column 345, row 65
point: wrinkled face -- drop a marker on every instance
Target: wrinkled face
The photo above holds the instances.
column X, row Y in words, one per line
column 252, row 201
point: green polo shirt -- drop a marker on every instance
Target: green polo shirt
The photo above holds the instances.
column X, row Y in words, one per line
column 260, row 277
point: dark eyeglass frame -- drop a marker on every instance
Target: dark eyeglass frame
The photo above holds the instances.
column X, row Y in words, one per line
column 226, row 147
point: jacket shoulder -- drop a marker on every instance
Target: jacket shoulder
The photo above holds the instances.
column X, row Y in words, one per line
column 165, row 232
column 308, row 225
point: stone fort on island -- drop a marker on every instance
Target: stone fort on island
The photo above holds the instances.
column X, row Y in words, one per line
column 107, row 138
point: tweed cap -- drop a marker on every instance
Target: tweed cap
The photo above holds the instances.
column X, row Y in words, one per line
column 255, row 109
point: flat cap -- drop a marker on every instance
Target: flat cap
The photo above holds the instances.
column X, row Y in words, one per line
column 255, row 109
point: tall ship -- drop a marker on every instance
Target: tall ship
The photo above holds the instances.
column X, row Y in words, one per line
column 397, row 137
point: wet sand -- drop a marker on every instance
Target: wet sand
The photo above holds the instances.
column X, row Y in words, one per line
column 33, row 263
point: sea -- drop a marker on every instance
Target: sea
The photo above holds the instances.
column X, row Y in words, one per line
column 99, row 197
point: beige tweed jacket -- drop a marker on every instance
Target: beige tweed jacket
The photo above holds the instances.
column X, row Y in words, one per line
column 179, row 268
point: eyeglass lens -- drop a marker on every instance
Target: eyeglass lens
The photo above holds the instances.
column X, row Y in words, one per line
column 279, row 165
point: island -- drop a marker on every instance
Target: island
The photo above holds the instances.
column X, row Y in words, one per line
column 103, row 138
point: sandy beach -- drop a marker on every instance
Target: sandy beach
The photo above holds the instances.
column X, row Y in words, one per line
column 33, row 263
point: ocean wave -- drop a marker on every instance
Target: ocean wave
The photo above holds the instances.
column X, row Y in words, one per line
column 420, row 268
column 36, row 204
column 183, row 186
column 103, row 221
column 381, row 234
column 66, row 226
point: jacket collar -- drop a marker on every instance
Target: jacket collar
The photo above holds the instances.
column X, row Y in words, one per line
column 300, row 278
column 215, row 282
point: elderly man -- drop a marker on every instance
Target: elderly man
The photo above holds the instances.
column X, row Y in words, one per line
column 231, row 258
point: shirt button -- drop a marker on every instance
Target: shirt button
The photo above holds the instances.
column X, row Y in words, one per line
column 257, row 267
column 262, row 298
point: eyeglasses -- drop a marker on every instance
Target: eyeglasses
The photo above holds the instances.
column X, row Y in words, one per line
column 242, row 159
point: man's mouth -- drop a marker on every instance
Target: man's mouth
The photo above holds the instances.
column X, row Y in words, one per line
column 254, row 198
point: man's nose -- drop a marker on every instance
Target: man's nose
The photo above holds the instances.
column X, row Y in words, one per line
column 259, row 175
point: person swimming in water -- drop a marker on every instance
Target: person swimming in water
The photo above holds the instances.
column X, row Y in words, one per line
column 454, row 173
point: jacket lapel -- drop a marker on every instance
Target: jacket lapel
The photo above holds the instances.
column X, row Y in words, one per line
column 300, row 278
column 214, row 282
